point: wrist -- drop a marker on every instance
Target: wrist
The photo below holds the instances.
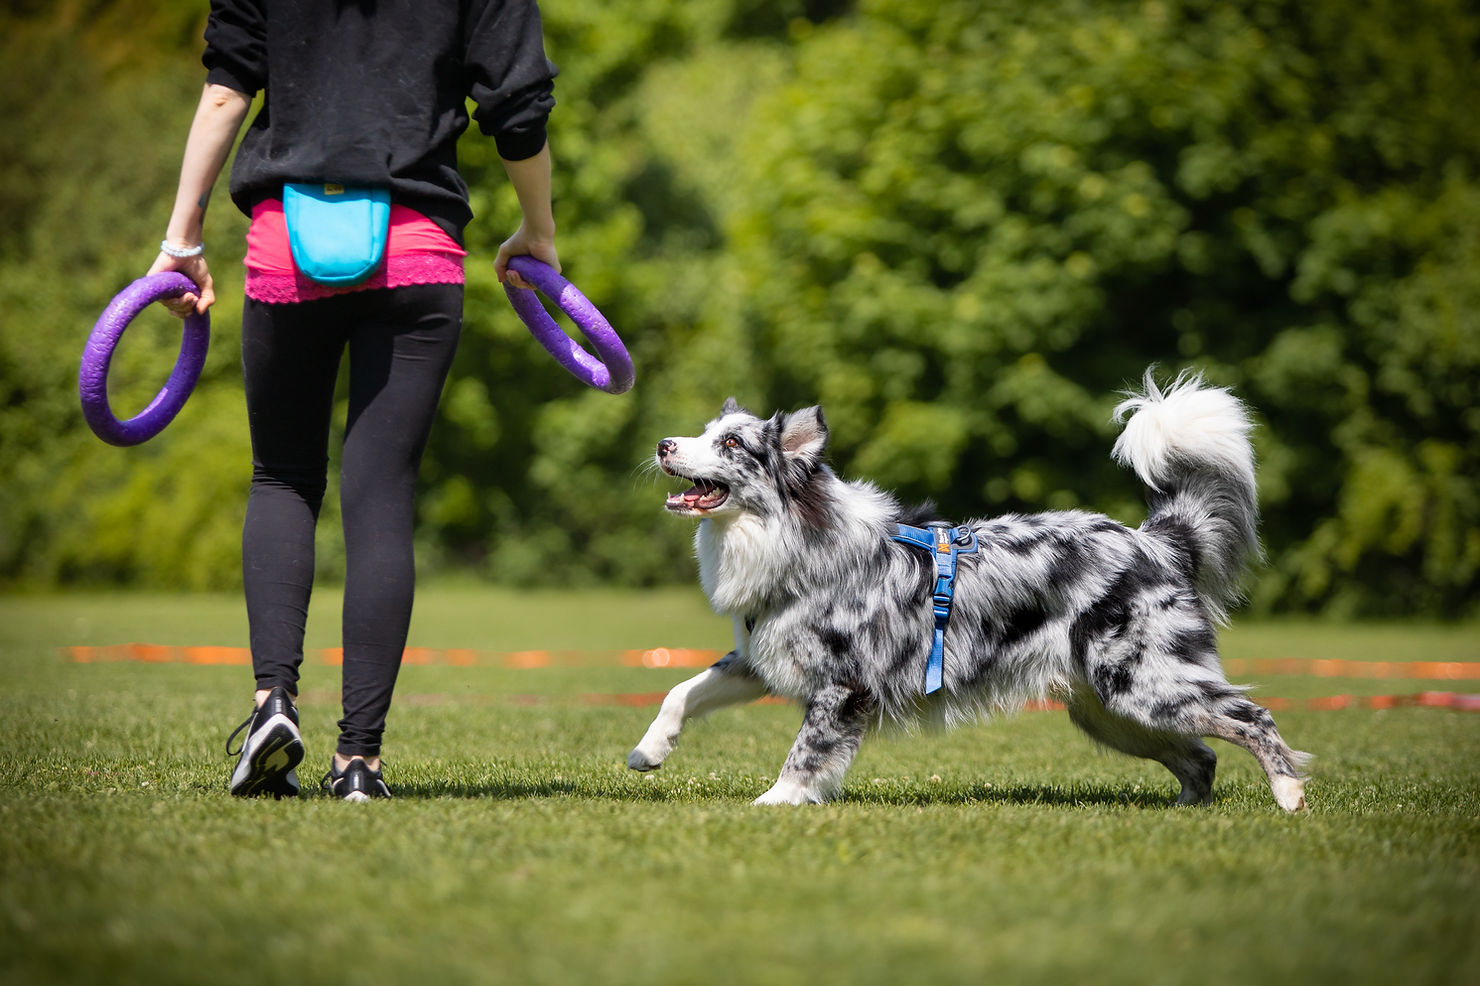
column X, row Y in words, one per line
column 184, row 232
column 541, row 234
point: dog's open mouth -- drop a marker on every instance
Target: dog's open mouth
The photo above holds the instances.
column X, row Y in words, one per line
column 703, row 495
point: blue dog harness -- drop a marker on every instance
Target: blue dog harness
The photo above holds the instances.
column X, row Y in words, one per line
column 944, row 543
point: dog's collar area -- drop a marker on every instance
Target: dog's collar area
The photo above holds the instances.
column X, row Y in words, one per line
column 944, row 543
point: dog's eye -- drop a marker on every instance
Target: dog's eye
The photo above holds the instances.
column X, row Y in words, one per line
column 732, row 442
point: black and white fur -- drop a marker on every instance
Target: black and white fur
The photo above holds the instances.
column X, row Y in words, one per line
column 1118, row 623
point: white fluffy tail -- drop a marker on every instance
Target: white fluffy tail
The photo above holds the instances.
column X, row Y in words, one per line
column 1190, row 445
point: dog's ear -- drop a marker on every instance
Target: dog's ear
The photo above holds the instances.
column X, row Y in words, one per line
column 804, row 435
column 732, row 406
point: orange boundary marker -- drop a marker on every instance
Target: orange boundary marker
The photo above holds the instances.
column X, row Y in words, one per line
column 1432, row 670
column 678, row 657
column 657, row 657
column 683, row 657
column 1429, row 700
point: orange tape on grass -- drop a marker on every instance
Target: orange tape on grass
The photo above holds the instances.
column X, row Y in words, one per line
column 682, row 657
column 671, row 657
column 1326, row 668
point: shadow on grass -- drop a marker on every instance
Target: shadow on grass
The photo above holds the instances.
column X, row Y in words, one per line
column 1017, row 794
column 508, row 790
column 1084, row 795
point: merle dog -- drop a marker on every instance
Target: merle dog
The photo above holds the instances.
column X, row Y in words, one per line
column 1117, row 622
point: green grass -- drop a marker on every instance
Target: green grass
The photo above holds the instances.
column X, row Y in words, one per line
column 520, row 849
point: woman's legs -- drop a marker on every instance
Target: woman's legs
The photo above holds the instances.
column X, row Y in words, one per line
column 401, row 346
column 400, row 349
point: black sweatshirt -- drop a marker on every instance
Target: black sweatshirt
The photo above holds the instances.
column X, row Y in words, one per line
column 373, row 92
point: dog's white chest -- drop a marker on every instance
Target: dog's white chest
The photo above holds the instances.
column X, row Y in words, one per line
column 740, row 562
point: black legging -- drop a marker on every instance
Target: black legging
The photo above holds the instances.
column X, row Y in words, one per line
column 401, row 342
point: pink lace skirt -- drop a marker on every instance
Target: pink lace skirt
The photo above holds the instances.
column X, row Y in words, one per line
column 417, row 251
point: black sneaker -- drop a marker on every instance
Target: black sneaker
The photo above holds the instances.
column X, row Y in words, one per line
column 270, row 751
column 356, row 782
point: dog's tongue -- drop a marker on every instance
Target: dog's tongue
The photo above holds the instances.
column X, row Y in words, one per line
column 701, row 490
column 698, row 491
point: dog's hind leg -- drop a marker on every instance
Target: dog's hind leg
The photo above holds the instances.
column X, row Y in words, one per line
column 1159, row 693
column 1157, row 666
column 1189, row 759
column 832, row 730
column 727, row 682
column 1245, row 724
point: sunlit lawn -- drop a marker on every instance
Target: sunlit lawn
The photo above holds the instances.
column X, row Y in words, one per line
column 520, row 849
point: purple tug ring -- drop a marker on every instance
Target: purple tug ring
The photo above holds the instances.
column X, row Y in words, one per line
column 611, row 369
column 92, row 379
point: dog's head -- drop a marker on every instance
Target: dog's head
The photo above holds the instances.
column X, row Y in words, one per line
column 745, row 463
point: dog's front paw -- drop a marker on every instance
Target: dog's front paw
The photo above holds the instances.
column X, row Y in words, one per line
column 789, row 793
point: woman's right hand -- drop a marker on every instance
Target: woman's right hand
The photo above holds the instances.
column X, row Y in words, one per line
column 194, row 268
column 524, row 244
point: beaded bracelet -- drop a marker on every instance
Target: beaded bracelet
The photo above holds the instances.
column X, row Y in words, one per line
column 179, row 254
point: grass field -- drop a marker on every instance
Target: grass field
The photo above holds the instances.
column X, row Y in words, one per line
column 519, row 849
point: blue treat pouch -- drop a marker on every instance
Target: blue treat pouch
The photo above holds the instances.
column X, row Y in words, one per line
column 337, row 233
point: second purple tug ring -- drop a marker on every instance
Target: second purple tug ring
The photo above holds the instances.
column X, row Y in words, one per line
column 611, row 368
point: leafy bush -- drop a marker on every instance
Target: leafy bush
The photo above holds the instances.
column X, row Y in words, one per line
column 961, row 226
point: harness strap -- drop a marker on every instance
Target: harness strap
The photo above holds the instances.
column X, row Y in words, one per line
column 944, row 543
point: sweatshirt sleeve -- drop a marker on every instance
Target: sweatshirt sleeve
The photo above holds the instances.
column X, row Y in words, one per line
column 236, row 47
column 509, row 77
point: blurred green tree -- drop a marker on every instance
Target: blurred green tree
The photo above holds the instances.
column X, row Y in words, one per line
column 961, row 226
column 965, row 249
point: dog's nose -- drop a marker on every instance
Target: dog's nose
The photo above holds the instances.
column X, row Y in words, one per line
column 666, row 448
